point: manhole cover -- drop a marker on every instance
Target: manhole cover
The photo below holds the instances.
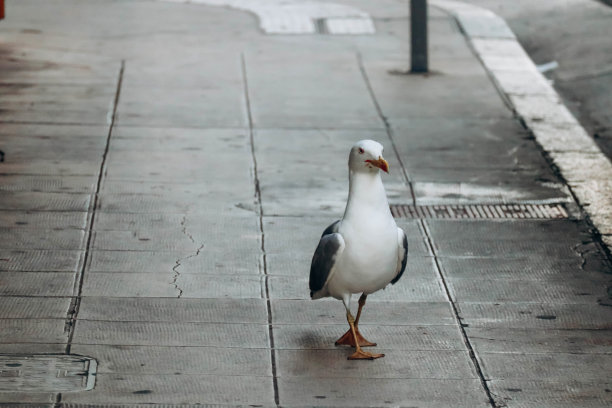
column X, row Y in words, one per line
column 46, row 373
column 480, row 211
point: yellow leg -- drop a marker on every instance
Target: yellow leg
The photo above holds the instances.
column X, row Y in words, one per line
column 361, row 303
column 348, row 338
column 359, row 354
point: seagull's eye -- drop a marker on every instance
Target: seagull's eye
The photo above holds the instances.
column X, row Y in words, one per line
column 361, row 151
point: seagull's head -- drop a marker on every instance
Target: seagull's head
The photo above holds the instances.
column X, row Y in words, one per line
column 366, row 156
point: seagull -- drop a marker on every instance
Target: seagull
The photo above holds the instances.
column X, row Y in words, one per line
column 365, row 250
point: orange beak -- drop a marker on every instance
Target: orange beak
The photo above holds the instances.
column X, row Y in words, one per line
column 380, row 163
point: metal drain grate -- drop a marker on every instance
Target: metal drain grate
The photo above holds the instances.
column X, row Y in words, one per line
column 46, row 373
column 480, row 211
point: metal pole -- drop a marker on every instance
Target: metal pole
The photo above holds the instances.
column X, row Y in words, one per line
column 418, row 36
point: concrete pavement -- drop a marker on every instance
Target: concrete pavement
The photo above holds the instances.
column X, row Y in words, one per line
column 169, row 168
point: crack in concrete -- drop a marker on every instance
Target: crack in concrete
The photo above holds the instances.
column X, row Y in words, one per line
column 175, row 268
column 584, row 250
column 582, row 253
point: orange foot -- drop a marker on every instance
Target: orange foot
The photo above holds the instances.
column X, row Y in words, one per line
column 347, row 339
column 364, row 355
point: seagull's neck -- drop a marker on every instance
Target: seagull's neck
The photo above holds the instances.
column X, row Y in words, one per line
column 366, row 195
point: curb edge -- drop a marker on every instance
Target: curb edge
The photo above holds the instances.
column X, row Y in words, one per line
column 586, row 170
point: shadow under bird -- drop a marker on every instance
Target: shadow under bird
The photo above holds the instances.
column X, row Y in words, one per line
column 365, row 250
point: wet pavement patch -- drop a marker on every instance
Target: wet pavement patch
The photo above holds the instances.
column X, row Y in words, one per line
column 46, row 373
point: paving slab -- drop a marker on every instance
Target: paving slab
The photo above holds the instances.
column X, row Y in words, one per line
column 177, row 232
column 179, row 187
column 516, row 183
column 546, row 367
column 391, row 24
column 172, row 284
column 566, row 291
column 243, row 263
column 39, row 399
column 39, row 201
column 573, row 265
column 309, row 97
column 85, row 104
column 172, row 334
column 178, row 68
column 17, row 331
column 351, row 392
column 519, row 393
column 40, row 260
column 331, row 311
column 148, row 360
column 217, row 162
column 452, row 189
column 397, row 94
column 209, row 141
column 521, row 340
column 47, row 184
column 22, row 238
column 73, row 153
column 407, row 365
column 20, row 347
column 43, row 220
column 174, row 310
column 176, row 389
column 52, row 167
column 170, row 107
column 191, row 189
column 390, row 337
column 36, row 62
column 14, row 307
column 556, row 315
column 37, row 283
column 140, row 221
column 163, row 203
column 147, row 240
column 509, row 248
column 429, row 140
column 168, row 166
column 28, row 135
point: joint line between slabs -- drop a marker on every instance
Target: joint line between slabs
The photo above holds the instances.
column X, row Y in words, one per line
column 466, row 339
column 75, row 305
column 266, row 284
column 58, row 400
column 385, row 121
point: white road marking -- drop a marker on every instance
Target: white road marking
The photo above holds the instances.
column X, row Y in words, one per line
column 299, row 17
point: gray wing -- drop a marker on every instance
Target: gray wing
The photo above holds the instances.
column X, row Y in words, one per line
column 333, row 227
column 403, row 254
column 330, row 246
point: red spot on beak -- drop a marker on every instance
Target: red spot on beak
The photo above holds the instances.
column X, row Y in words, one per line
column 380, row 163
